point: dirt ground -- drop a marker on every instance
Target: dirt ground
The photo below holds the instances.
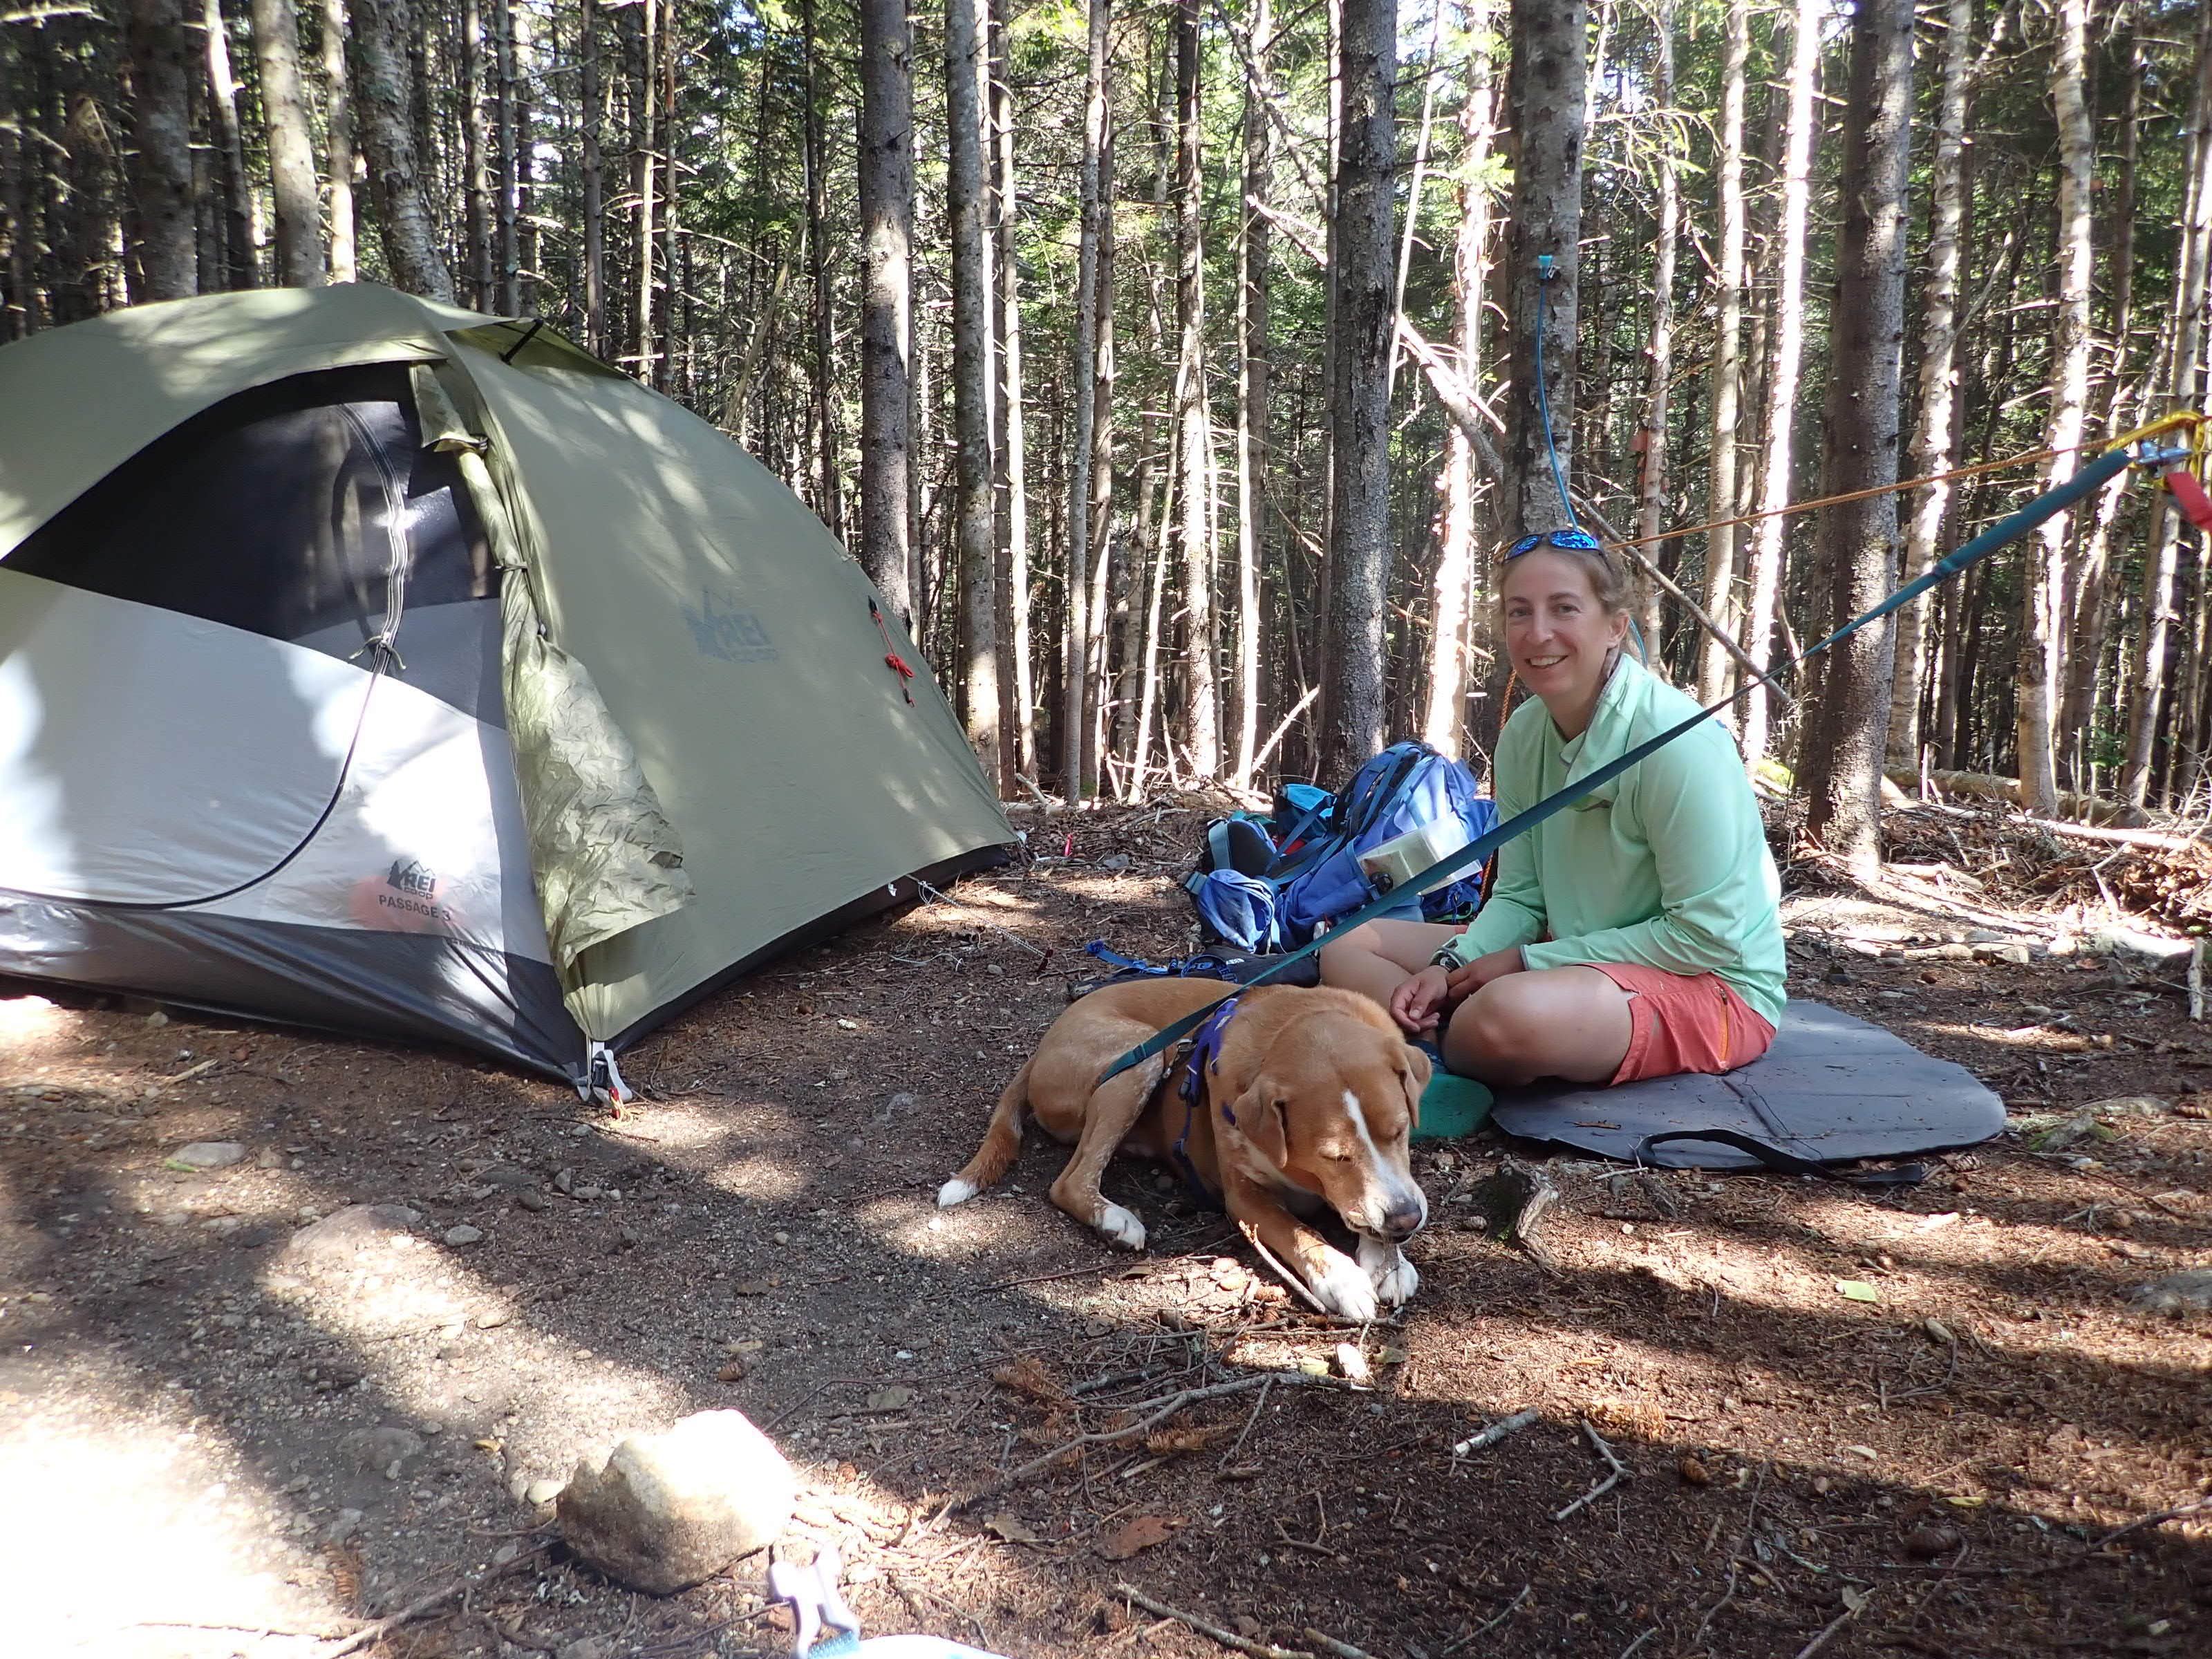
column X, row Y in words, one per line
column 215, row 1442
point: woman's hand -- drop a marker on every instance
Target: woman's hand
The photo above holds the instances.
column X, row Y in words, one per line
column 1466, row 981
column 1418, row 1003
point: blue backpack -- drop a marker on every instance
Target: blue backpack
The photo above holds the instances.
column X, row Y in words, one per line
column 1257, row 903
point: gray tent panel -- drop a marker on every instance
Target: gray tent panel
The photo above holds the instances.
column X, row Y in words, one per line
column 1832, row 1089
column 410, row 986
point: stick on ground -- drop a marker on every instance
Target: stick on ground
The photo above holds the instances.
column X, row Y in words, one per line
column 1496, row 1432
column 1620, row 1473
column 1227, row 1638
column 369, row 1635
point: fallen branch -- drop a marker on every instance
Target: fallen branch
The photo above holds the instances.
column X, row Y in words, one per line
column 1328, row 1644
column 1849, row 1612
column 1496, row 1432
column 1174, row 1403
column 369, row 1635
column 1735, row 1563
column 1227, row 1638
column 1620, row 1473
column 1486, row 1627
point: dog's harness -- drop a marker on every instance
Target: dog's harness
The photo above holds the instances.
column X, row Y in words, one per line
column 1203, row 1055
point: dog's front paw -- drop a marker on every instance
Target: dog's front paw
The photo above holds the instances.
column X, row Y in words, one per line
column 955, row 1191
column 1345, row 1290
column 1120, row 1226
column 1395, row 1279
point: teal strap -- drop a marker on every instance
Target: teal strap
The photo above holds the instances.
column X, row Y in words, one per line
column 2054, row 501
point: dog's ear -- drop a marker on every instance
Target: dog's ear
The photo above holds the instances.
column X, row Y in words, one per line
column 1419, row 1070
column 1259, row 1115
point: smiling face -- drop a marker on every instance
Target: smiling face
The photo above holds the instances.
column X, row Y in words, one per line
column 1559, row 632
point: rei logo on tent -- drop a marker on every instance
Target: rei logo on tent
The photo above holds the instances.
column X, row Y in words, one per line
column 413, row 887
column 720, row 630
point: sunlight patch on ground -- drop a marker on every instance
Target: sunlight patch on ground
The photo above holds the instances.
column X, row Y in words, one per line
column 123, row 1521
column 30, row 1019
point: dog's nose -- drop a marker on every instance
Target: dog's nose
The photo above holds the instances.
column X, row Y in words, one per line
column 1401, row 1221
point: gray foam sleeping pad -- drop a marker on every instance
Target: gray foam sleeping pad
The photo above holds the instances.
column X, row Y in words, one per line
column 1832, row 1088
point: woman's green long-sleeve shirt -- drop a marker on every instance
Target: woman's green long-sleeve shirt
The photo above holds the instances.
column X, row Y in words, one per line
column 1667, row 866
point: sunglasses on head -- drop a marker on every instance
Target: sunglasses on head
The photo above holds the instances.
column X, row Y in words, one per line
column 1574, row 541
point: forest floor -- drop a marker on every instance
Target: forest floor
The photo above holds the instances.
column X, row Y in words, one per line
column 214, row 1442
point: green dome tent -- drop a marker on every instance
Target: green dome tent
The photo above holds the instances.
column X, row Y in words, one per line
column 369, row 664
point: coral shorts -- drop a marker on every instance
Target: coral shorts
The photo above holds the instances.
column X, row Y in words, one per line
column 1678, row 1023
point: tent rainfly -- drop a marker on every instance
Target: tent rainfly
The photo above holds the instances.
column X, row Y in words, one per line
column 369, row 664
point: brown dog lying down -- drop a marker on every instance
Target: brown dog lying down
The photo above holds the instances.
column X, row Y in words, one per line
column 1308, row 1106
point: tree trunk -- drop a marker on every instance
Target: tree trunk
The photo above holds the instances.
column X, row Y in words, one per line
column 886, row 302
column 595, row 211
column 1075, row 662
column 1652, row 506
column 481, row 258
column 1254, row 296
column 971, row 375
column 1104, row 542
column 1939, row 344
column 506, row 253
column 387, row 139
column 2186, row 329
column 1545, row 89
column 337, row 84
column 642, row 187
column 1788, row 330
column 1359, row 517
column 1201, row 722
column 1441, row 720
column 242, row 215
column 1715, row 667
column 300, row 261
column 21, row 302
column 161, row 167
column 1857, row 545
column 1013, row 526
column 2042, row 599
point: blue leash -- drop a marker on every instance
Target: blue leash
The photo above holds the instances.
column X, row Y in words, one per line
column 2010, row 528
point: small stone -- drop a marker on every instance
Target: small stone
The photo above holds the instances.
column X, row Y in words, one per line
column 664, row 1512
column 1114, row 861
column 1351, row 1364
column 157, row 1019
column 1926, row 1543
column 334, row 1241
column 464, row 1234
column 586, row 1192
column 382, row 1450
column 2177, row 1294
column 493, row 1320
column 779, row 1238
column 512, row 1177
column 209, row 1155
column 541, row 1492
column 533, row 1201
column 270, row 1158
column 347, row 1523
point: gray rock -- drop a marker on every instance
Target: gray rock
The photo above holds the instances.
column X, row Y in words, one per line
column 335, row 1240
column 511, row 1177
column 378, row 1449
column 533, row 1200
column 209, row 1155
column 347, row 1523
column 2187, row 1292
column 663, row 1512
column 464, row 1234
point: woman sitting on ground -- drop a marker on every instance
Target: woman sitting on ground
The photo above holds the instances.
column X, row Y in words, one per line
column 1654, row 898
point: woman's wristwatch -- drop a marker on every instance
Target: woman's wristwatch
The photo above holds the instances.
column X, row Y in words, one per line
column 1448, row 959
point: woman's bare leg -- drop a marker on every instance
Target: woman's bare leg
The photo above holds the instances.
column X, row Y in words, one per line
column 1376, row 958
column 1571, row 1022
